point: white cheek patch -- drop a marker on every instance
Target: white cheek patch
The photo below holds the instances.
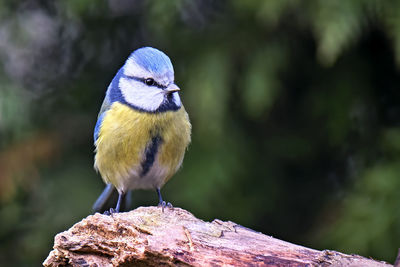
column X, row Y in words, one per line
column 140, row 95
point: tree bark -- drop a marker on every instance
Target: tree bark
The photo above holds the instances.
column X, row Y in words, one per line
column 147, row 236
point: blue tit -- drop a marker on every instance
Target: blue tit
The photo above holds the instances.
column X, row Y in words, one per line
column 142, row 130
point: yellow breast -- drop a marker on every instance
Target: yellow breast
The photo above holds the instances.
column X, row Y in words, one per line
column 125, row 134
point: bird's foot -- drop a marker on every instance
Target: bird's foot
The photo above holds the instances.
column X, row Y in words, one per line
column 110, row 212
column 164, row 204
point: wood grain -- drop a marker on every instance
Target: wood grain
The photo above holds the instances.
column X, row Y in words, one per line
column 147, row 236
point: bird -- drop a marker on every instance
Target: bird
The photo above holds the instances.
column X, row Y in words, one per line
column 142, row 130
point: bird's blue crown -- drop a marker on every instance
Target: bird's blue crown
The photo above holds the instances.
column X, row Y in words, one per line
column 153, row 60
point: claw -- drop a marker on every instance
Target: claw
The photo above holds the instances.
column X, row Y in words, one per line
column 110, row 212
column 161, row 202
column 164, row 204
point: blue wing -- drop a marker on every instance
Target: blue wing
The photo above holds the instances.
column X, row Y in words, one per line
column 104, row 107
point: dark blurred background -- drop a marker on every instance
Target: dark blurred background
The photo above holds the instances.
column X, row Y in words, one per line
column 294, row 104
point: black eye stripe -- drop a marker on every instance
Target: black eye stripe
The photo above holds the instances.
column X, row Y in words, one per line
column 143, row 80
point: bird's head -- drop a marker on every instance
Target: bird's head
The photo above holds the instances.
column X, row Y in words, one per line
column 146, row 81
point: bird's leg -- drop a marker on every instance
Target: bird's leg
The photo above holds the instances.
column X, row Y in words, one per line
column 161, row 202
column 118, row 207
column 120, row 196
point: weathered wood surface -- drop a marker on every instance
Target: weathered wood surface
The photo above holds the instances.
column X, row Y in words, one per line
column 147, row 236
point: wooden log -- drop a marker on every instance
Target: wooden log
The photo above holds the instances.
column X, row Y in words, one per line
column 147, row 236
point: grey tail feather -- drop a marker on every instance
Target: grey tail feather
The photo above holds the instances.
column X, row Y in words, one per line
column 108, row 199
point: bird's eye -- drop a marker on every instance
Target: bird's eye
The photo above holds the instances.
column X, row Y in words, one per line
column 149, row 82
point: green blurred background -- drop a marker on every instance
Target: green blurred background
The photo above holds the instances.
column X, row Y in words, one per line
column 294, row 104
